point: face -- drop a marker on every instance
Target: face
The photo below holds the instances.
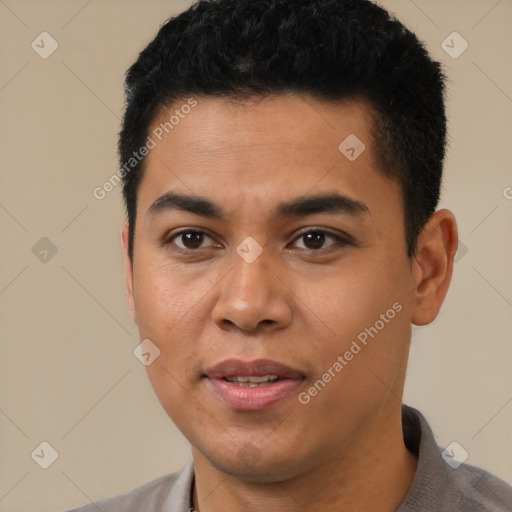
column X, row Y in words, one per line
column 270, row 270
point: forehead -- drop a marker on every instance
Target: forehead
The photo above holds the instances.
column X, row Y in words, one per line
column 223, row 128
column 261, row 150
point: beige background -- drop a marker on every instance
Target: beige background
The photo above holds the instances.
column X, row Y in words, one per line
column 68, row 373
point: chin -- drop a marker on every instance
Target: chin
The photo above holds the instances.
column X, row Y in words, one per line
column 252, row 464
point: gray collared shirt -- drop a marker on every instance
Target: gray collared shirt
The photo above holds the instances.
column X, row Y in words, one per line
column 436, row 487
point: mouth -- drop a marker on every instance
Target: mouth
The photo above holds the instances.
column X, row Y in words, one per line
column 252, row 382
column 252, row 385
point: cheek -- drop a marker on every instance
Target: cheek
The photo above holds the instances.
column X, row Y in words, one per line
column 358, row 372
column 361, row 315
column 169, row 313
column 164, row 296
column 349, row 300
column 176, row 394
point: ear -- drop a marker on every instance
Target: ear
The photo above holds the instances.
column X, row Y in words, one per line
column 433, row 265
column 128, row 272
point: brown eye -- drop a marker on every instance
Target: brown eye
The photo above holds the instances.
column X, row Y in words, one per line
column 314, row 240
column 189, row 239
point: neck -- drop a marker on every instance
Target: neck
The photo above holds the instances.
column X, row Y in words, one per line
column 374, row 473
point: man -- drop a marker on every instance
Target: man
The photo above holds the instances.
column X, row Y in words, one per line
column 282, row 163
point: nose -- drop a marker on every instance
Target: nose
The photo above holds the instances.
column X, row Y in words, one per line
column 252, row 298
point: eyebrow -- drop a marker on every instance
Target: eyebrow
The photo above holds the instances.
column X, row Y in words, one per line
column 333, row 202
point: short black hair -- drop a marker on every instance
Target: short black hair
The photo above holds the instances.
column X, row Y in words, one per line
column 327, row 49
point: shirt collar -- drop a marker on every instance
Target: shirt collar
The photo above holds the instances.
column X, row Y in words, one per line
column 431, row 477
column 180, row 497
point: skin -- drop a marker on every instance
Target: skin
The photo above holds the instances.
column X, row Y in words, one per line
column 297, row 303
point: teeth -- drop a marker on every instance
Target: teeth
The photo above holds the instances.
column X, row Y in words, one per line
column 251, row 381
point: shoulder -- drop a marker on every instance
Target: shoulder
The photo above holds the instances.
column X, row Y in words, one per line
column 439, row 486
column 476, row 490
column 172, row 490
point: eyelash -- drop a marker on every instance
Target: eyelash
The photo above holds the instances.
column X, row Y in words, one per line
column 339, row 240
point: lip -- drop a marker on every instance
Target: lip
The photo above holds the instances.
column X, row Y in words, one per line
column 252, row 398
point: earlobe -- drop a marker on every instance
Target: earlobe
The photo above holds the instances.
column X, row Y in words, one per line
column 128, row 272
column 433, row 262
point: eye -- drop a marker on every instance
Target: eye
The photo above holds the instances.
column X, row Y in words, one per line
column 189, row 239
column 315, row 239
